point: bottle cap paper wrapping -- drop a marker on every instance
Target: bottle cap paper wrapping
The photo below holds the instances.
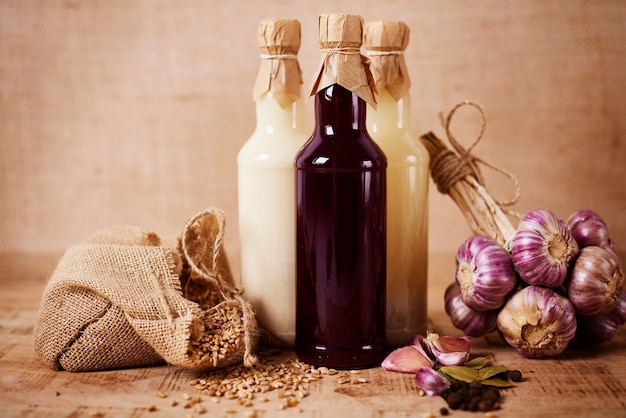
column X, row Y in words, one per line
column 386, row 41
column 279, row 72
column 340, row 38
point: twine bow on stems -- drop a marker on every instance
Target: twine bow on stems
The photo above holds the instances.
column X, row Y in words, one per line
column 456, row 173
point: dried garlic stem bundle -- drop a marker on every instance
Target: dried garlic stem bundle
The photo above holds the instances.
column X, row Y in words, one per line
column 457, row 174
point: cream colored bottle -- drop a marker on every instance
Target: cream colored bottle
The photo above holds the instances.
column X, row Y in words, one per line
column 266, row 182
column 407, row 182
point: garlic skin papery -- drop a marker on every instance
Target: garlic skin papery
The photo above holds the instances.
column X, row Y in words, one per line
column 484, row 272
column 537, row 322
column 596, row 281
column 473, row 323
column 542, row 249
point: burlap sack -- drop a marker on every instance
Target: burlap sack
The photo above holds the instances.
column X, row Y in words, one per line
column 120, row 300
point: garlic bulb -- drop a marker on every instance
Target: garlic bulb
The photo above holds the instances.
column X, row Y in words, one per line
column 542, row 249
column 473, row 323
column 596, row 281
column 619, row 313
column 484, row 272
column 588, row 228
column 537, row 322
column 595, row 329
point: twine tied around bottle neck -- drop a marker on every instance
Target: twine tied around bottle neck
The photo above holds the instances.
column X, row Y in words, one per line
column 279, row 56
column 344, row 50
column 371, row 53
column 448, row 167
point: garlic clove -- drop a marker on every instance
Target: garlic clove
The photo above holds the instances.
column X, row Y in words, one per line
column 407, row 359
column 431, row 382
column 449, row 350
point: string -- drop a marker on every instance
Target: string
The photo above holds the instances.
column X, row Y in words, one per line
column 449, row 167
column 382, row 53
column 278, row 56
column 346, row 50
column 215, row 275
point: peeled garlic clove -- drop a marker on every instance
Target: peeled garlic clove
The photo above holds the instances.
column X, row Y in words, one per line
column 596, row 281
column 484, row 273
column 588, row 228
column 431, row 382
column 537, row 322
column 419, row 343
column 473, row 323
column 542, row 249
column 449, row 350
column 407, row 359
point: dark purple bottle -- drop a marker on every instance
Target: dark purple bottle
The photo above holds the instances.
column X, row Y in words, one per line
column 341, row 237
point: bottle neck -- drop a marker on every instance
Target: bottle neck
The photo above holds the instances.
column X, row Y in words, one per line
column 338, row 111
column 272, row 118
column 389, row 114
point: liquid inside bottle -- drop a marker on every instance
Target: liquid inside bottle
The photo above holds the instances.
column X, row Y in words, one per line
column 407, row 217
column 266, row 183
column 341, row 237
column 389, row 124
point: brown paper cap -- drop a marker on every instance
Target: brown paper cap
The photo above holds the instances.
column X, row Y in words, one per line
column 389, row 70
column 340, row 37
column 279, row 72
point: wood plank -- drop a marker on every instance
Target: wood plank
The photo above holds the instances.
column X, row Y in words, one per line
column 585, row 381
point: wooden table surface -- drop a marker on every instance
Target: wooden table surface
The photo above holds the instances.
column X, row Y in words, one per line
column 583, row 382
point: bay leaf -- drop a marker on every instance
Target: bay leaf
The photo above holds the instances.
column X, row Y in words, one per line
column 477, row 362
column 462, row 373
column 498, row 381
column 487, row 372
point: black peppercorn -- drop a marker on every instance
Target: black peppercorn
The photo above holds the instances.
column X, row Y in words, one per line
column 472, row 396
column 485, row 405
column 514, row 375
column 491, row 394
column 455, row 399
column 472, row 404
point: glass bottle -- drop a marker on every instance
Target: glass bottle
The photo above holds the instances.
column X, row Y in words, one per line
column 340, row 222
column 266, row 182
column 407, row 178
